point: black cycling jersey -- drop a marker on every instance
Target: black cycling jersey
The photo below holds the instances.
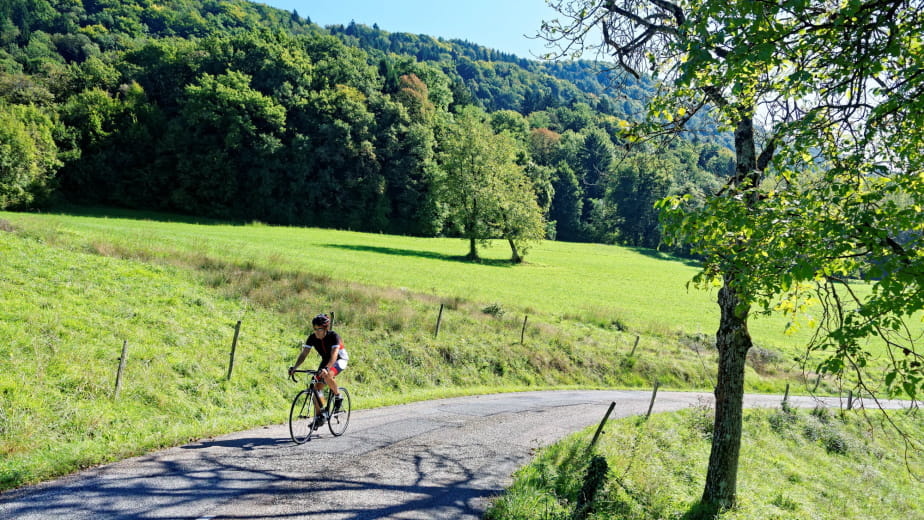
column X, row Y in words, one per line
column 326, row 346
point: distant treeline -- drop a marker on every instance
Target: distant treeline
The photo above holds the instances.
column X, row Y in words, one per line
column 230, row 109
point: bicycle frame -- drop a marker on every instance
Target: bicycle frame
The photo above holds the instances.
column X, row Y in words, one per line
column 312, row 386
column 337, row 418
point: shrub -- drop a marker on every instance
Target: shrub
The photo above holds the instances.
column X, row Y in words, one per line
column 819, row 428
column 702, row 419
column 835, row 442
column 761, row 359
column 785, row 503
column 783, row 420
column 494, row 310
column 698, row 342
column 821, row 413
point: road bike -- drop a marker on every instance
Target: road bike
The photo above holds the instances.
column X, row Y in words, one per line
column 311, row 403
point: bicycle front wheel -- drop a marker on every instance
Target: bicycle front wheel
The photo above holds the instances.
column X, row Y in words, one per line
column 301, row 417
column 340, row 418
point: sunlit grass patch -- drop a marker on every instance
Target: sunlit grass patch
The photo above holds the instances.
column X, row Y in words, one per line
column 656, row 469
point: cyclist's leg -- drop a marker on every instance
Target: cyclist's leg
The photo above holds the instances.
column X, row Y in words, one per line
column 331, row 382
column 339, row 366
column 319, row 401
column 340, row 413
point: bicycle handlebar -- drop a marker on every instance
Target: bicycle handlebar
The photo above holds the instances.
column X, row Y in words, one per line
column 292, row 375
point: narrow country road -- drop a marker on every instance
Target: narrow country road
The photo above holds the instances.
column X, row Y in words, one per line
column 428, row 460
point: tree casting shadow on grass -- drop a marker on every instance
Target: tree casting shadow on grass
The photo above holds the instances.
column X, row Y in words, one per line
column 667, row 257
column 422, row 254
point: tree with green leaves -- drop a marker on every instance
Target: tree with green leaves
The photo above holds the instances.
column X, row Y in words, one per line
column 520, row 219
column 511, row 122
column 405, row 148
column 485, row 191
column 825, row 102
column 28, row 155
column 567, row 204
column 228, row 136
column 640, row 181
column 595, row 157
column 466, row 162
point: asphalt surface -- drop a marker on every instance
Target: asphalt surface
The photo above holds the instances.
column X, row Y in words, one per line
column 442, row 459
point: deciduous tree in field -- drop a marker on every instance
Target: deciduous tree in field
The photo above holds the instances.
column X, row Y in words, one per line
column 486, row 192
column 520, row 219
column 826, row 101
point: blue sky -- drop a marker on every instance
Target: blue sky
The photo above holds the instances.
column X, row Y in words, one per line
column 498, row 24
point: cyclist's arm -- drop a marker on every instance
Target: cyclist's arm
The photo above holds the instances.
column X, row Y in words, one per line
column 334, row 356
column 302, row 355
column 334, row 350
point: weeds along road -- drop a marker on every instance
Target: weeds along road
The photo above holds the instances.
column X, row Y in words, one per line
column 427, row 460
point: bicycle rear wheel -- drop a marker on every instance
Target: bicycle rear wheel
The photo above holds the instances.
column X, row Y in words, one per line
column 339, row 420
column 301, row 417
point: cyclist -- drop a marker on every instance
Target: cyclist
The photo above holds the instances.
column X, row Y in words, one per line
column 334, row 357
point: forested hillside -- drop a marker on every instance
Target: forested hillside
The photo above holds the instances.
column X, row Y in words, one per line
column 236, row 110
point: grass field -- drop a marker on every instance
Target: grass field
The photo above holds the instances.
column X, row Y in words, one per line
column 73, row 288
column 640, row 289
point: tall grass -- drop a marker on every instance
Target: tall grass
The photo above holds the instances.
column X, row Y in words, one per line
column 795, row 465
column 73, row 288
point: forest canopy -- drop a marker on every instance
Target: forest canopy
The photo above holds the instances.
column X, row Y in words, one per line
column 237, row 110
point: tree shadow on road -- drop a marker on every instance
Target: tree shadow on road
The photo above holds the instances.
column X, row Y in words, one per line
column 237, row 481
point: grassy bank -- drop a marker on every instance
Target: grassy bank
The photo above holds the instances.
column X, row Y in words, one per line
column 802, row 465
column 638, row 289
column 74, row 288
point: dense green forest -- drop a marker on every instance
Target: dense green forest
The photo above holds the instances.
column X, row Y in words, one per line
column 236, row 110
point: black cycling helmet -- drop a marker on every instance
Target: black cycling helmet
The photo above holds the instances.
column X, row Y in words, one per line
column 321, row 320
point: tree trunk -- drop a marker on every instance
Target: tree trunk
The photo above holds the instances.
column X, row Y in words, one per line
column 472, row 249
column 515, row 257
column 733, row 342
column 471, row 227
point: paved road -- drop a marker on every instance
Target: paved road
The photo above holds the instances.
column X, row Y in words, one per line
column 428, row 460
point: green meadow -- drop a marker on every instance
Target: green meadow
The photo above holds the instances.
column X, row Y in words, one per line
column 636, row 289
column 75, row 288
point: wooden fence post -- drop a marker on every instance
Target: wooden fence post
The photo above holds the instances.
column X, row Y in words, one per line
column 439, row 318
column 523, row 332
column 849, row 400
column 237, row 330
column 653, row 395
column 633, row 347
column 118, row 384
column 786, row 396
column 600, row 428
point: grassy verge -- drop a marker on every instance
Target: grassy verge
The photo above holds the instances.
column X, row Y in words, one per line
column 74, row 288
column 795, row 465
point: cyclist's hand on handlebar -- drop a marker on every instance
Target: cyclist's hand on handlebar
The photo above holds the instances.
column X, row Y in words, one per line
column 291, row 371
